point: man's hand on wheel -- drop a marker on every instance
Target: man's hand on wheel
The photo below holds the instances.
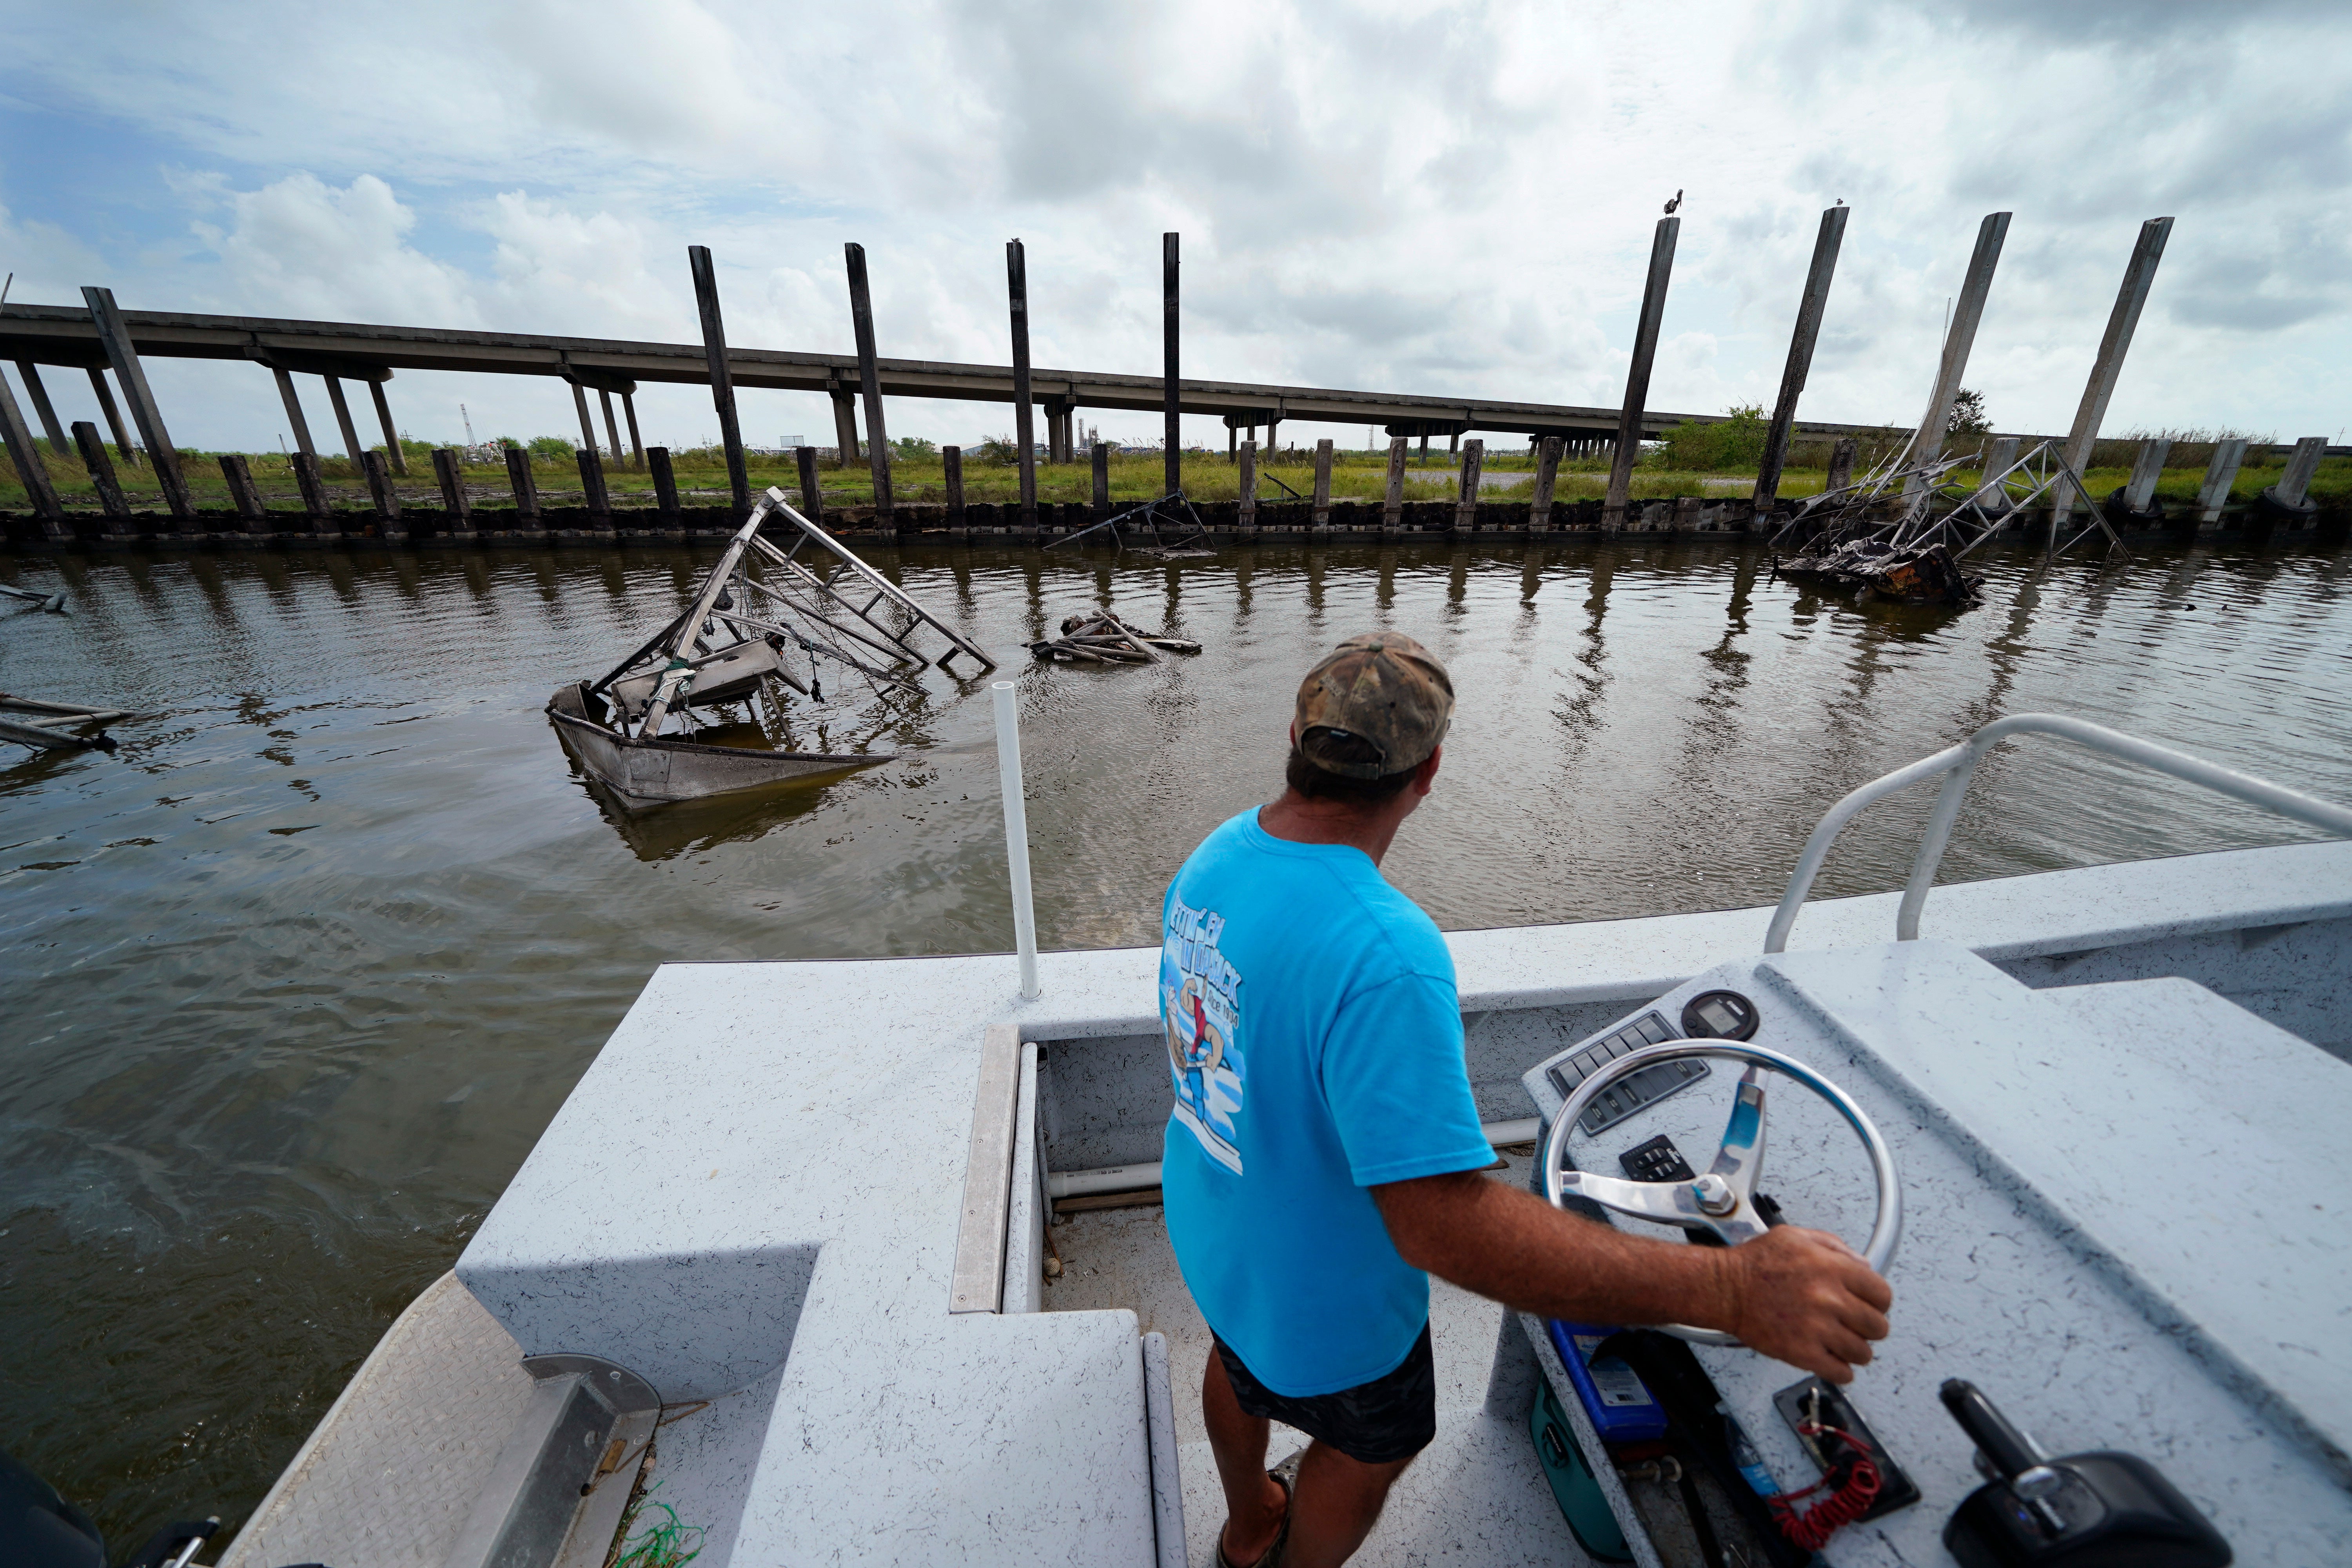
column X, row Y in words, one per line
column 1806, row 1298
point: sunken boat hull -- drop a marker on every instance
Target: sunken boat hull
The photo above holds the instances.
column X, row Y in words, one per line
column 645, row 774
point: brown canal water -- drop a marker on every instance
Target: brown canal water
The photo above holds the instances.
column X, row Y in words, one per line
column 295, row 978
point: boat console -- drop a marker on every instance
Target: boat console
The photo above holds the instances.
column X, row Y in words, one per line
column 2106, row 1220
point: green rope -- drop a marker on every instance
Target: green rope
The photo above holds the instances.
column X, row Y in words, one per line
column 659, row 1545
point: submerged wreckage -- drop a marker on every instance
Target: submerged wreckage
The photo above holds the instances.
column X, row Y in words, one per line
column 1102, row 638
column 1882, row 536
column 759, row 610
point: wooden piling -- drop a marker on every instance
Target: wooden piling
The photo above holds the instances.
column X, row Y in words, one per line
column 1807, row 333
column 2147, row 468
column 287, row 394
column 1392, row 509
column 636, row 442
column 343, row 419
column 1841, row 472
column 612, row 427
column 1246, row 517
column 722, row 381
column 42, row 409
column 123, row 449
column 2221, row 476
column 1102, row 480
column 2139, row 276
column 1024, row 439
column 454, row 501
column 812, row 492
column 31, row 472
column 115, row 335
column 380, row 490
column 587, row 428
column 1547, row 477
column 877, row 435
column 384, row 417
column 1322, row 516
column 951, row 463
column 526, row 487
column 101, row 472
column 591, row 487
column 666, row 485
column 1466, row 500
column 1171, row 389
column 242, row 494
column 313, row 486
column 1637, row 375
column 1928, row 445
column 2301, row 465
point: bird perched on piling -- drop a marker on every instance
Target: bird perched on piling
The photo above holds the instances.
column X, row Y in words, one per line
column 1675, row 202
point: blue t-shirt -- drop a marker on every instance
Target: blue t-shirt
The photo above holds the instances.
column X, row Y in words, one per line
column 1315, row 1042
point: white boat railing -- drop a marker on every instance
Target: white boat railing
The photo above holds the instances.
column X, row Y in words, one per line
column 1956, row 765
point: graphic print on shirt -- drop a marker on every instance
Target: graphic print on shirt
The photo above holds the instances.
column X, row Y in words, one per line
column 1199, row 1009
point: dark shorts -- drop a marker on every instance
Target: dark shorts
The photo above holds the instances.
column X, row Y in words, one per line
column 1389, row 1418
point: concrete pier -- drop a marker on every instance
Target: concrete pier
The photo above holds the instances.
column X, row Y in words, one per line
column 2107, row 368
column 2220, row 474
column 2147, row 468
column 1928, row 445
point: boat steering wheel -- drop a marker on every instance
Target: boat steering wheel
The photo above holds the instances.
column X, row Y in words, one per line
column 1723, row 1200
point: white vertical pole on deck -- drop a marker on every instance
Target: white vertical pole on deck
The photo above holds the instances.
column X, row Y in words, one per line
column 1016, row 832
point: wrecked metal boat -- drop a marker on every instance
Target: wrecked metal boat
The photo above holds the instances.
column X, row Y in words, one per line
column 764, row 620
column 1919, row 575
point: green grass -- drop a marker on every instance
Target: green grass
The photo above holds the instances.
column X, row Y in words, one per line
column 701, row 476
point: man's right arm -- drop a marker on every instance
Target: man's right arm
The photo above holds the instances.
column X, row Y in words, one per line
column 1797, row 1295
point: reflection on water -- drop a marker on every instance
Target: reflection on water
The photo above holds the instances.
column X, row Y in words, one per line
column 298, row 976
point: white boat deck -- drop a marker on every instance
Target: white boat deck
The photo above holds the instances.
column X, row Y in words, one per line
column 753, row 1197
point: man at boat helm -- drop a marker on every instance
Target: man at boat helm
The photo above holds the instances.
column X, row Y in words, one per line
column 1323, row 1156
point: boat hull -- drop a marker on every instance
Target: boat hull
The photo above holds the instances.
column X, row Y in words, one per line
column 644, row 774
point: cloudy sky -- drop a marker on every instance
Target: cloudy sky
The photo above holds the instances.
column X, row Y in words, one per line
column 1408, row 198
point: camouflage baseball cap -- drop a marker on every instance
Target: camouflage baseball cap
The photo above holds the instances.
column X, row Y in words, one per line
column 1378, row 704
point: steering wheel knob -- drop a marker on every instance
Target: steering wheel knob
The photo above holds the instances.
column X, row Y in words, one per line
column 1715, row 1194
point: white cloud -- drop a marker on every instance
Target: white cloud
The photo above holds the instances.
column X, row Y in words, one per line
column 301, row 247
column 1437, row 198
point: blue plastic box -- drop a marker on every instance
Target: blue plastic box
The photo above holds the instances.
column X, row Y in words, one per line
column 1619, row 1407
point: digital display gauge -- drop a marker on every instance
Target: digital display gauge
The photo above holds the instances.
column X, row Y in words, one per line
column 1719, row 1016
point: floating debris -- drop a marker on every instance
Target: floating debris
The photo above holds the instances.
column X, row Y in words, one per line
column 737, row 644
column 46, row 725
column 1191, row 545
column 53, row 603
column 1102, row 638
